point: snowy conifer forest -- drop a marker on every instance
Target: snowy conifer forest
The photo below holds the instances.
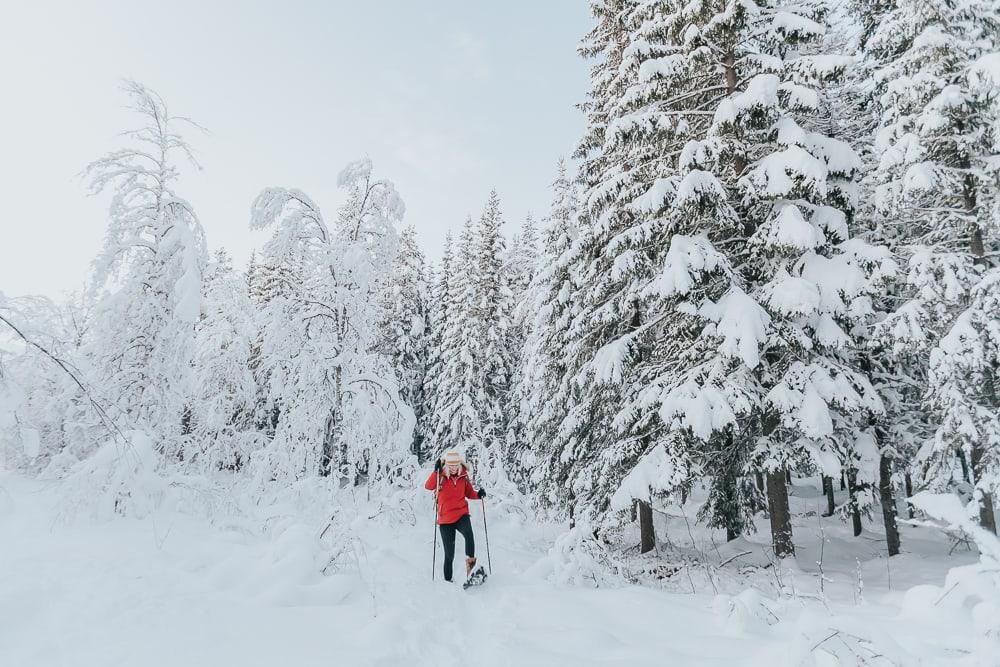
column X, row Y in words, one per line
column 732, row 397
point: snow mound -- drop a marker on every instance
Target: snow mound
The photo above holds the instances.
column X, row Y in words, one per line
column 578, row 559
column 120, row 478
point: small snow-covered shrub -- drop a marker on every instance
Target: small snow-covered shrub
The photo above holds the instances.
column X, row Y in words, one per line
column 748, row 611
column 578, row 559
column 973, row 587
column 119, row 478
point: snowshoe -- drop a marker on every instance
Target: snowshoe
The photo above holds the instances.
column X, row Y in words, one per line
column 476, row 578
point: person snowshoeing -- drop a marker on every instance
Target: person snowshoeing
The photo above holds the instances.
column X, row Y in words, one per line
column 450, row 480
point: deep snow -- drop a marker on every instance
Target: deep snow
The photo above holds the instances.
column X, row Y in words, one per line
column 176, row 589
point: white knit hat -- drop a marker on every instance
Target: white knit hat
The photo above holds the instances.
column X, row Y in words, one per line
column 452, row 457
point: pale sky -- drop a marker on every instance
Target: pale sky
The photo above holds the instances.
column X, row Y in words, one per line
column 448, row 98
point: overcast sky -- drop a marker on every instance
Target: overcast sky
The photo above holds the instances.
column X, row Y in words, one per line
column 449, row 98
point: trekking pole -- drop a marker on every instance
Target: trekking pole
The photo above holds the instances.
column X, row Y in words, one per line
column 487, row 534
column 437, row 488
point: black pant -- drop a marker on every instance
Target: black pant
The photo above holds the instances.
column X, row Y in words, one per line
column 464, row 526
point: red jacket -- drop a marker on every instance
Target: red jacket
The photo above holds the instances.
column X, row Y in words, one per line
column 452, row 504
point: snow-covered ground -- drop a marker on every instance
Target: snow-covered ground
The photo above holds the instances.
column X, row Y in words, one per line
column 176, row 589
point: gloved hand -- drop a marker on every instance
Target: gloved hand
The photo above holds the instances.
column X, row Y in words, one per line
column 481, row 493
column 437, row 466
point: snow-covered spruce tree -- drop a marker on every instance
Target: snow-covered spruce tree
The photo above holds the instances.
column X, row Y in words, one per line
column 935, row 189
column 141, row 344
column 439, row 315
column 491, row 317
column 815, row 281
column 592, row 449
column 762, row 285
column 224, row 411
column 898, row 374
column 337, row 400
column 521, row 266
column 455, row 421
column 405, row 330
column 846, row 114
column 963, row 392
column 681, row 212
column 522, row 257
column 544, row 365
column 470, row 409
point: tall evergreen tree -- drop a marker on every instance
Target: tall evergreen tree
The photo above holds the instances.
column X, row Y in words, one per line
column 755, row 288
column 405, row 329
column 456, row 422
column 440, row 317
column 543, row 369
column 490, row 316
column 521, row 268
column 608, row 263
column 934, row 189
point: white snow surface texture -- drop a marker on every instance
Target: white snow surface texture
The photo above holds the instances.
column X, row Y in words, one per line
column 175, row 589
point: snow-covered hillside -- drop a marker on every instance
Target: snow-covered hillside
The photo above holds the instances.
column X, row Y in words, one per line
column 247, row 590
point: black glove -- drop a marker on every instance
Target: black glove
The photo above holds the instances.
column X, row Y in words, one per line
column 481, row 493
column 437, row 466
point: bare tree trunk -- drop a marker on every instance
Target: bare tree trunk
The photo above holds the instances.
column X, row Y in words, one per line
column 781, row 519
column 888, row 504
column 759, row 478
column 647, row 538
column 965, row 465
column 909, row 494
column 647, row 535
column 788, row 476
column 852, row 478
column 729, row 62
column 828, row 491
column 987, row 518
column 338, row 416
column 843, row 484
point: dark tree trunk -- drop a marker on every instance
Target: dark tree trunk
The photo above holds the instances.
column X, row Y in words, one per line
column 965, row 465
column 731, row 534
column 326, row 458
column 759, row 477
column 987, row 518
column 909, row 494
column 647, row 535
column 788, row 476
column 781, row 520
column 852, row 478
column 888, row 504
column 843, row 484
column 647, row 538
column 828, row 491
column 732, row 79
